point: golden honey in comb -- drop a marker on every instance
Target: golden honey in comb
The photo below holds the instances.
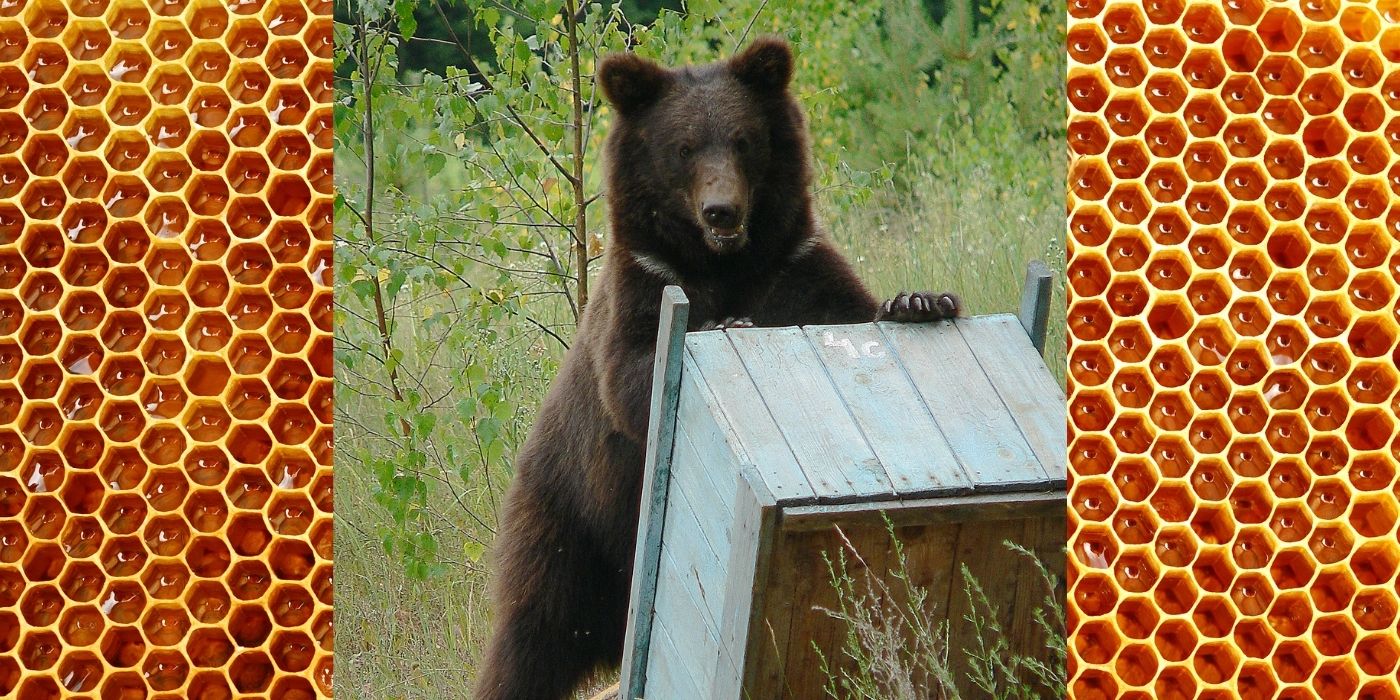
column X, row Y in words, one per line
column 1234, row 202
column 165, row 349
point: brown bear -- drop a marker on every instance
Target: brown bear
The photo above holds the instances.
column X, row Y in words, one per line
column 708, row 187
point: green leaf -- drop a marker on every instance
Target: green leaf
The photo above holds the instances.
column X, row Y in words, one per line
column 408, row 24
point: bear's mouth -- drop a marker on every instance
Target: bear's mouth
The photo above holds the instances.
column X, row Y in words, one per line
column 726, row 240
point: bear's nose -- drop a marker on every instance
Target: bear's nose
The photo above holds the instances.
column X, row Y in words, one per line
column 721, row 215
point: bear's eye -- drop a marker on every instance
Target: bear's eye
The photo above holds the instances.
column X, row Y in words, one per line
column 742, row 144
column 685, row 150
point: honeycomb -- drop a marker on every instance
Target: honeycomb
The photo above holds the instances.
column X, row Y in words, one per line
column 1232, row 359
column 165, row 349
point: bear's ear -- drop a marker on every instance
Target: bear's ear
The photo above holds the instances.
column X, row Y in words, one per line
column 630, row 82
column 765, row 64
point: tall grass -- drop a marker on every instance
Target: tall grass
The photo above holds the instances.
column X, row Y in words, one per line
column 895, row 648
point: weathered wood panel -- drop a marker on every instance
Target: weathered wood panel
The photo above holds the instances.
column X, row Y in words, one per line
column 1024, row 385
column 810, row 414
column 934, row 555
column 666, row 375
column 966, row 406
column 749, row 424
column 886, row 405
column 746, row 589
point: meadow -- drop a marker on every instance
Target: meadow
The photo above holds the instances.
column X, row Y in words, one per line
column 470, row 217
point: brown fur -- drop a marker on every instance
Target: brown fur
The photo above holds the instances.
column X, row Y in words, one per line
column 563, row 556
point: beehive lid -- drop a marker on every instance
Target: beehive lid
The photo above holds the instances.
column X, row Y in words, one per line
column 880, row 411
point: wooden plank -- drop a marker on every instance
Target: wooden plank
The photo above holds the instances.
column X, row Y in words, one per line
column 927, row 566
column 887, row 407
column 698, row 560
column 812, row 629
column 661, row 671
column 716, row 462
column 667, row 676
column 1035, row 304
column 980, row 548
column 1025, row 386
column 679, row 611
column 750, row 556
column 764, row 678
column 965, row 405
column 666, row 375
column 810, row 413
column 983, row 506
column 730, row 389
column 1045, row 539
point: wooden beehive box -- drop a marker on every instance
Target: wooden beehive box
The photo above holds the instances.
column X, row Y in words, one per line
column 764, row 441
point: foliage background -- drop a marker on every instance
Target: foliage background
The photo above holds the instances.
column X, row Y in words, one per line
column 938, row 132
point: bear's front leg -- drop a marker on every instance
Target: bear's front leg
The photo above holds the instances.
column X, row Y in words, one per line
column 920, row 307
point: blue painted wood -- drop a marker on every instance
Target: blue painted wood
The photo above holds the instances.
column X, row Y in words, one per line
column 687, row 544
column 965, row 405
column 678, row 608
column 810, row 413
column 746, row 422
column 754, row 531
column 665, row 677
column 1025, row 386
column 1035, row 303
column 698, row 438
column 888, row 409
column 670, row 338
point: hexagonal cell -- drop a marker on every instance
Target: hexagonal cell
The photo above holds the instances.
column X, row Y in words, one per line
column 251, row 672
column 208, row 602
column 1202, row 69
column 1255, row 639
column 81, row 625
column 166, row 536
column 165, row 625
column 206, row 465
column 41, row 605
column 165, row 580
column 1368, row 155
column 123, row 556
column 207, row 557
column 39, row 651
column 292, row 651
column 291, row 378
column 208, row 150
column 206, row 510
column 40, row 425
column 123, row 513
column 123, row 647
column 122, row 468
column 1369, row 429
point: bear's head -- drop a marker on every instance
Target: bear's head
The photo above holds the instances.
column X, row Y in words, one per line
column 718, row 151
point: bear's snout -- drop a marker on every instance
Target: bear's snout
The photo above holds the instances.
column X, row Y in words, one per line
column 721, row 215
column 721, row 196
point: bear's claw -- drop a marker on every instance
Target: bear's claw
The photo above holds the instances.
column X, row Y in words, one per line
column 919, row 307
column 729, row 322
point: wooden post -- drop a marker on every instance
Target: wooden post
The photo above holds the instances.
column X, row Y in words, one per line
column 750, row 555
column 1035, row 303
column 656, row 477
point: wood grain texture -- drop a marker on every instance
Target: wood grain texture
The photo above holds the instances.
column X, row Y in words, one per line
column 746, row 589
column 888, row 409
column 750, row 426
column 968, row 410
column 1034, row 315
column 670, row 339
column 810, row 414
column 1031, row 396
